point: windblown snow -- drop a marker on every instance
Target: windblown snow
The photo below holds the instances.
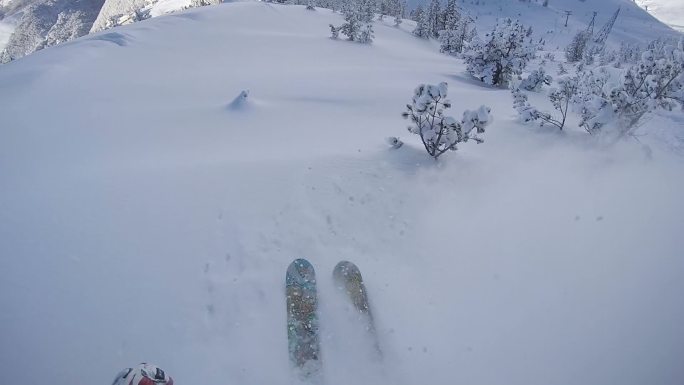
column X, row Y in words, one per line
column 150, row 209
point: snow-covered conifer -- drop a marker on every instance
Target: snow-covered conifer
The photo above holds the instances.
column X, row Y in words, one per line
column 417, row 14
column 504, row 52
column 394, row 9
column 437, row 18
column 383, row 9
column 423, row 23
column 452, row 15
column 366, row 35
column 574, row 52
column 526, row 112
column 438, row 132
column 458, row 30
column 607, row 56
column 627, row 54
column 358, row 21
column 366, row 10
column 334, row 31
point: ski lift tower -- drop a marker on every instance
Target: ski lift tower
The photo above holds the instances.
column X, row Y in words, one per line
column 602, row 36
column 567, row 16
column 590, row 28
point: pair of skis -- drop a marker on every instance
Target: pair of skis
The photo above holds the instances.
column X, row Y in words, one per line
column 302, row 317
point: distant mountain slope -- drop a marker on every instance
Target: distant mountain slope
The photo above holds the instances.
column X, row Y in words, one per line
column 122, row 12
column 633, row 25
column 49, row 22
column 669, row 11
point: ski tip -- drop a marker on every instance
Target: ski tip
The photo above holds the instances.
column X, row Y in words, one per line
column 300, row 270
column 344, row 270
column 301, row 263
column 345, row 266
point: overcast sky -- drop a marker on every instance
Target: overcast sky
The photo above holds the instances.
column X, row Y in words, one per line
column 669, row 11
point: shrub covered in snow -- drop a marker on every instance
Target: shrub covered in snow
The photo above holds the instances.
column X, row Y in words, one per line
column 438, row 132
column 536, row 80
column 394, row 142
column 560, row 97
column 651, row 84
column 606, row 96
column 504, row 52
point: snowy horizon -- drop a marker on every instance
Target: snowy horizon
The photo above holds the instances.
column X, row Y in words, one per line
column 670, row 12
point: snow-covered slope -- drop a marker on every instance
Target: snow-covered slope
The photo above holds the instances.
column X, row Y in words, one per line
column 146, row 218
column 670, row 11
column 633, row 25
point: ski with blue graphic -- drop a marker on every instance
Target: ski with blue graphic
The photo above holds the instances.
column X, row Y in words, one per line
column 302, row 321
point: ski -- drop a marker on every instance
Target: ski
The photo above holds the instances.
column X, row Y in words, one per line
column 347, row 278
column 302, row 321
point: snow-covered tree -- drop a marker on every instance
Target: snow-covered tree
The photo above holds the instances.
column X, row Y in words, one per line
column 429, row 21
column 574, row 52
column 607, row 56
column 627, row 54
column 398, row 19
column 334, row 31
column 504, row 52
column 392, row 8
column 358, row 21
column 423, row 23
column 438, row 132
column 383, row 9
column 366, row 35
column 417, row 14
column 536, row 80
column 459, row 30
column 452, row 15
column 437, row 18
column 526, row 113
